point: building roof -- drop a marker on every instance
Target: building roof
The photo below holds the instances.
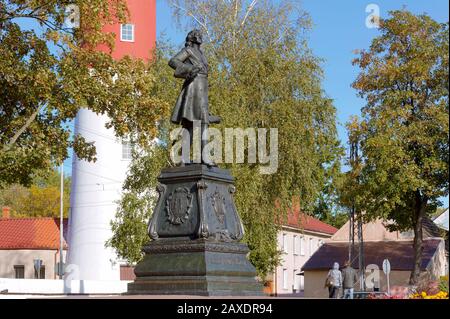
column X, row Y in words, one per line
column 442, row 219
column 306, row 222
column 31, row 233
column 377, row 230
column 399, row 253
column 373, row 231
column 298, row 219
column 430, row 229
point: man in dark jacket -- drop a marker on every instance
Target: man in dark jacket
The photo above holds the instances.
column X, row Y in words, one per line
column 349, row 278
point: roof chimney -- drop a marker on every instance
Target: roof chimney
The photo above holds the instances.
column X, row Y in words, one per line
column 296, row 204
column 6, row 212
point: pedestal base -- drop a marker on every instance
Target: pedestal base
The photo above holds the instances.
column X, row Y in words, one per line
column 195, row 267
column 196, row 231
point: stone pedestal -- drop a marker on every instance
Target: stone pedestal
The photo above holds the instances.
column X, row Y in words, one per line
column 196, row 232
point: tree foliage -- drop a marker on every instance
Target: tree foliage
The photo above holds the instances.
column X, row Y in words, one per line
column 49, row 71
column 41, row 199
column 404, row 129
column 262, row 74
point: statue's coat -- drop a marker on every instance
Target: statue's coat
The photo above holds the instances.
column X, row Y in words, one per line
column 192, row 103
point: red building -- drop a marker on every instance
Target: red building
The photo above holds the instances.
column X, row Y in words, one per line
column 136, row 37
column 24, row 240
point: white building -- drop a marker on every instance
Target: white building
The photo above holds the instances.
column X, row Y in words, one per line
column 298, row 240
column 96, row 186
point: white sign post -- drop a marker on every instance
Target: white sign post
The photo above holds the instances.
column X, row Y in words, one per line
column 387, row 270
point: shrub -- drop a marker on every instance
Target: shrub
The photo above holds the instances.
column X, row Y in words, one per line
column 424, row 295
column 443, row 284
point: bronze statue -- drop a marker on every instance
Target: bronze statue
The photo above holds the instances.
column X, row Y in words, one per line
column 195, row 226
column 192, row 104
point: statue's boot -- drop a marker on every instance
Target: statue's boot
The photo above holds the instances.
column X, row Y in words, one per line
column 214, row 119
column 208, row 162
column 206, row 159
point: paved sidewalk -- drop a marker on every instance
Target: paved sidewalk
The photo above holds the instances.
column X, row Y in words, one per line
column 21, row 296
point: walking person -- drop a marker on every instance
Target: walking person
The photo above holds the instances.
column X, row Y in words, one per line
column 349, row 279
column 334, row 281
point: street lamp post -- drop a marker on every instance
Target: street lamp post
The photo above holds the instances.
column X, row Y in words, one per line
column 61, row 224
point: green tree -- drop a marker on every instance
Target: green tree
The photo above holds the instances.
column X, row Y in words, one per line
column 41, row 199
column 327, row 211
column 328, row 207
column 404, row 129
column 262, row 74
column 49, row 71
column 350, row 187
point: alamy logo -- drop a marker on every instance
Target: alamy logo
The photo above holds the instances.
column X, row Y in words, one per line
column 71, row 272
column 72, row 12
column 373, row 19
column 372, row 276
column 213, row 147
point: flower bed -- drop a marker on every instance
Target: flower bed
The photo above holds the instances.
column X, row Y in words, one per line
column 423, row 295
column 426, row 290
column 434, row 289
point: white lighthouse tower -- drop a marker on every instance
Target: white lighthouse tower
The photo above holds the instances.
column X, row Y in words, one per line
column 96, row 187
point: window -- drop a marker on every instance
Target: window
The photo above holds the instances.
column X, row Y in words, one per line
column 127, row 148
column 295, row 242
column 285, row 248
column 285, row 279
column 19, row 271
column 127, row 32
column 311, row 247
column 41, row 273
column 302, row 246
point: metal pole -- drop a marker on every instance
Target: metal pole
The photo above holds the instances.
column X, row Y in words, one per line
column 361, row 252
column 350, row 234
column 61, row 224
column 388, row 287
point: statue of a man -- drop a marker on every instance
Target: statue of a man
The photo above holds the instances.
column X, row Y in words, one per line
column 192, row 104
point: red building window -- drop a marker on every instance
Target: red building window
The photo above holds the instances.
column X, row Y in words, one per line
column 127, row 32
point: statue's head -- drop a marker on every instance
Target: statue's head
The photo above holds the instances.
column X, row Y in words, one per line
column 195, row 36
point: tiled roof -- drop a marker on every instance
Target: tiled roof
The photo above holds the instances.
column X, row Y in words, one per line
column 442, row 219
column 399, row 253
column 310, row 223
column 30, row 233
column 297, row 219
column 430, row 229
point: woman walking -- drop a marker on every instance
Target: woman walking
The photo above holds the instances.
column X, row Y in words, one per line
column 334, row 281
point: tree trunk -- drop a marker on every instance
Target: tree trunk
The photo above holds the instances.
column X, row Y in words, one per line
column 419, row 213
